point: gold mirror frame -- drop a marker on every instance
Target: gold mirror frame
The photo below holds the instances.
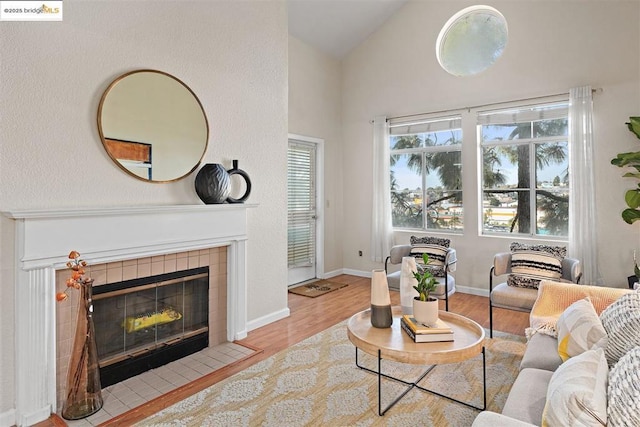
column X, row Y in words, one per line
column 142, row 115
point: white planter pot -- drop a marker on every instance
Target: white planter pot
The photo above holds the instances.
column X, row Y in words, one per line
column 425, row 312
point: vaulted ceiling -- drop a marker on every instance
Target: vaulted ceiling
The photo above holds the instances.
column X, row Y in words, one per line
column 337, row 26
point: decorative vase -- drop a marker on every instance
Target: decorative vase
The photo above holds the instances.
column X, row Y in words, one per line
column 380, row 300
column 213, row 184
column 407, row 282
column 243, row 174
column 425, row 312
column 84, row 394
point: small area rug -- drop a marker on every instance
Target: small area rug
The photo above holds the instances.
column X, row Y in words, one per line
column 317, row 288
column 316, row 383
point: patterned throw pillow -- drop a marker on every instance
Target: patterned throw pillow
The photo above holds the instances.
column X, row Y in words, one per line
column 435, row 247
column 579, row 329
column 621, row 320
column 577, row 392
column 624, row 389
column 532, row 263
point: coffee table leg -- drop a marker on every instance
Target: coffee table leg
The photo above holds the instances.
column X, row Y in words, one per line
column 380, row 375
column 411, row 385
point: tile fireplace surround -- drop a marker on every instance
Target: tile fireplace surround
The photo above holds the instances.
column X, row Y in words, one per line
column 43, row 240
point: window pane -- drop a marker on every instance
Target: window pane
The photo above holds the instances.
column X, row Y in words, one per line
column 552, row 212
column 557, row 127
column 444, row 170
column 499, row 210
column 447, row 137
column 506, row 166
column 552, row 165
column 406, row 190
column 506, row 132
column 405, row 141
column 444, row 209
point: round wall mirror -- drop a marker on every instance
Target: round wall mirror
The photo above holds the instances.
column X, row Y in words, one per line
column 153, row 126
column 472, row 40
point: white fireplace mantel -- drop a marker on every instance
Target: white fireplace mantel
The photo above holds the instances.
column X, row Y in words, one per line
column 43, row 240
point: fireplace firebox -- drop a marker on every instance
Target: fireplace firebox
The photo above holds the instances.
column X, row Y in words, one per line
column 147, row 322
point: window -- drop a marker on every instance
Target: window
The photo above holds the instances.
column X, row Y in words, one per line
column 525, row 170
column 472, row 40
column 426, row 174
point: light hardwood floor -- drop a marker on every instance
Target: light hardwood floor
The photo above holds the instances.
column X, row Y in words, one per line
column 308, row 317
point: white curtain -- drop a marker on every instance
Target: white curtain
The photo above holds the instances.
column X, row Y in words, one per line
column 381, row 227
column 582, row 205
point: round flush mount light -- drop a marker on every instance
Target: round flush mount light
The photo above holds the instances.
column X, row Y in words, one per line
column 472, row 40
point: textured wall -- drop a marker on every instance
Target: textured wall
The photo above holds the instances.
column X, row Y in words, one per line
column 552, row 47
column 315, row 110
column 233, row 55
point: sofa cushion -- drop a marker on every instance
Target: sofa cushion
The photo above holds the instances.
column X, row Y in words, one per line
column 621, row 320
column 579, row 329
column 624, row 389
column 577, row 393
column 532, row 263
column 541, row 353
column 527, row 397
column 436, row 248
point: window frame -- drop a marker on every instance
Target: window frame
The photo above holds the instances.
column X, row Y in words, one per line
column 532, row 143
column 425, row 123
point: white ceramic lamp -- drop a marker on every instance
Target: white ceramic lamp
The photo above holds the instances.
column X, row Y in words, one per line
column 407, row 282
column 380, row 300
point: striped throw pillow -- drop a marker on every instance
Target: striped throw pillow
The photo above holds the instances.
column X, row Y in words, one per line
column 621, row 320
column 579, row 329
column 577, row 392
column 435, row 247
column 532, row 263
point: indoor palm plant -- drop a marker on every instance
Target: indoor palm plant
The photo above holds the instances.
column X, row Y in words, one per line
column 425, row 307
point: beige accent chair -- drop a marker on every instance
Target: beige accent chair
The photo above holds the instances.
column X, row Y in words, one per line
column 521, row 299
column 446, row 285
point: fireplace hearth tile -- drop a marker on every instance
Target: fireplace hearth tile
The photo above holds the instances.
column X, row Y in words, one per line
column 133, row 392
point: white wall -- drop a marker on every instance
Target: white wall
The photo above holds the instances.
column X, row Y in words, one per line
column 232, row 54
column 553, row 46
column 315, row 111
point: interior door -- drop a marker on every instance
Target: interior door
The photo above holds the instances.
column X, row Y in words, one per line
column 301, row 211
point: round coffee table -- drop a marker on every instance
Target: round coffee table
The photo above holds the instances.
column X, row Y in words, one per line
column 394, row 344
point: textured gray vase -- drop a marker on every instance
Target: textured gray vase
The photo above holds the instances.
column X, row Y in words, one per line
column 213, row 183
column 381, row 316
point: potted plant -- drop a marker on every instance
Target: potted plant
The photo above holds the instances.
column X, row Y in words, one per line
column 631, row 159
column 425, row 307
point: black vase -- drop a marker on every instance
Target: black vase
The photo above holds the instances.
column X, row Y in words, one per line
column 236, row 171
column 213, row 184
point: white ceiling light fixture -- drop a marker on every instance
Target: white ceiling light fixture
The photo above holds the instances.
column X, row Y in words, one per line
column 472, row 40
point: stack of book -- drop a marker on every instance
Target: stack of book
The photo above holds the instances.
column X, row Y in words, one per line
column 423, row 333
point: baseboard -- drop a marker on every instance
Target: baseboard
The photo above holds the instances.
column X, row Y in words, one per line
column 472, row 291
column 462, row 289
column 359, row 273
column 270, row 318
column 8, row 418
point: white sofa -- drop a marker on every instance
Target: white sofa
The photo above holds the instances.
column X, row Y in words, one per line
column 526, row 401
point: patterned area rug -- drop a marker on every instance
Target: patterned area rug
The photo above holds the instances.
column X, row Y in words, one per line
column 316, row 383
column 317, row 288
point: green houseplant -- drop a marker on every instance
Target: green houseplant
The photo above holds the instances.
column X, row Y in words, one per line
column 631, row 159
column 425, row 308
column 426, row 282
